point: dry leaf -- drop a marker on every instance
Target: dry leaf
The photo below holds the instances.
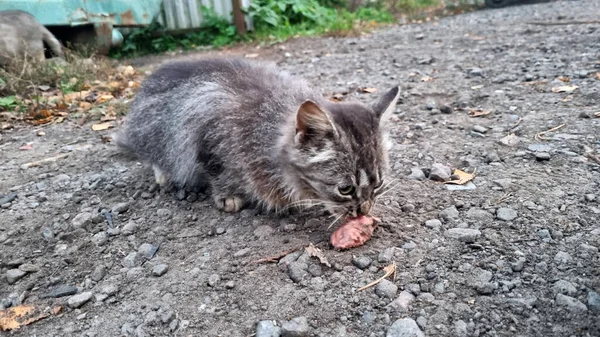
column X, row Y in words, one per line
column 564, row 79
column 316, row 252
column 597, row 114
column 478, row 112
column 85, row 106
column 368, row 90
column 16, row 317
column 463, row 177
column 102, row 126
column 104, row 98
column 5, row 126
column 26, row 147
column 598, row 76
column 565, row 88
column 389, row 270
column 70, row 97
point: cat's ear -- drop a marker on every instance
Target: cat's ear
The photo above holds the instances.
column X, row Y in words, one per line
column 313, row 121
column 386, row 105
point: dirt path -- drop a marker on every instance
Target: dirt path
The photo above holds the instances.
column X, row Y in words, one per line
column 515, row 256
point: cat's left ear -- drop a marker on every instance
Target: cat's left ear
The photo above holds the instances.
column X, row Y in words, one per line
column 387, row 104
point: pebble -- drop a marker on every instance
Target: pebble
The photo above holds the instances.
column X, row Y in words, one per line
column 542, row 156
column 563, row 258
column 109, row 289
column 510, row 140
column 403, row 301
column 263, row 231
column 404, row 327
column 164, row 213
column 570, row 303
column 267, row 329
column 446, row 109
column 297, row 271
column 220, row 230
column 362, row 262
column 61, row 291
column 13, row 275
column 181, row 194
column 82, row 220
column 120, row 207
column 539, row 148
column 506, row 214
column 463, row 234
column 476, row 72
column 492, row 157
column 450, row 213
column 589, row 249
column 440, row 172
column 564, row 287
column 147, row 250
column 543, row 233
column 422, row 322
column 78, row 300
column 242, row 252
column 519, row 264
column 434, row 224
column 593, row 301
column 98, row 273
column 386, row 289
column 409, row 245
column 416, row 174
column 479, row 128
column 129, row 228
column 230, row 285
column 460, row 328
column 100, row 238
column 590, row 197
column 160, row 270
column 213, row 280
column 386, row 255
column 296, row 327
column 132, row 260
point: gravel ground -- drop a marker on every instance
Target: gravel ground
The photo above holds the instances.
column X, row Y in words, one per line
column 515, row 253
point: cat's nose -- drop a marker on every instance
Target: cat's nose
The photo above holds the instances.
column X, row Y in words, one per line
column 365, row 208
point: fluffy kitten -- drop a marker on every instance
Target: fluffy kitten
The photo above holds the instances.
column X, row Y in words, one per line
column 255, row 134
column 23, row 37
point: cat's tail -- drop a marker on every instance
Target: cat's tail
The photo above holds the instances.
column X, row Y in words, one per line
column 52, row 42
column 120, row 139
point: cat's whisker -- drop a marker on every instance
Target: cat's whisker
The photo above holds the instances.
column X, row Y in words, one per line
column 336, row 220
column 388, row 190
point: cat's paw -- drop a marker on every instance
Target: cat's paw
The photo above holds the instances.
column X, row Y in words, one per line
column 159, row 176
column 229, row 204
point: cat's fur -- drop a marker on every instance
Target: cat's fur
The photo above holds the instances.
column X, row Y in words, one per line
column 255, row 134
column 23, row 38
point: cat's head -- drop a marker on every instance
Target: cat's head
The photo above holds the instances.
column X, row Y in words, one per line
column 340, row 152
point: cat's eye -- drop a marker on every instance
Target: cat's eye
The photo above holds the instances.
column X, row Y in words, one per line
column 346, row 190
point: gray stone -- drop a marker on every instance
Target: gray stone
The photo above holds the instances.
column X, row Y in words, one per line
column 584, row 248
column 403, row 301
column 479, row 128
column 98, row 273
column 539, row 148
column 61, row 291
column 404, row 327
column 160, row 270
column 439, row 288
column 564, row 287
column 510, row 140
column 492, row 157
column 542, row 156
column 416, row 174
column 506, row 214
column 296, row 327
column 460, row 328
column 570, row 303
column 79, row 300
column 446, row 109
column 267, row 329
column 82, row 220
column 230, row 285
column 100, row 238
column 590, row 197
column 129, row 228
column 164, row 213
column 242, row 252
column 450, row 213
column 463, row 234
column 298, row 271
column 386, row 289
column 13, row 275
column 147, row 250
column 434, row 224
column 543, row 234
column 263, row 231
column 476, row 72
column 563, row 258
column 386, row 255
column 440, row 172
column 409, row 245
column 109, row 289
column 593, row 301
column 519, row 264
column 362, row 262
column 132, row 260
column 479, row 214
column 120, row 207
column 213, row 280
column 422, row 322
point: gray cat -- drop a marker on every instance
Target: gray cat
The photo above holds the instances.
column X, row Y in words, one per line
column 23, row 37
column 255, row 134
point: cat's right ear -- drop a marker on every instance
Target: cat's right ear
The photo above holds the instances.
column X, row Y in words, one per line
column 387, row 104
column 312, row 121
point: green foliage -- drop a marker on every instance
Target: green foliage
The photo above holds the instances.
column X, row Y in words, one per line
column 8, row 103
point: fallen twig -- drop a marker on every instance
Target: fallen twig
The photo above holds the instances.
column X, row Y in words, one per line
column 389, row 270
column 503, row 198
column 592, row 157
column 278, row 257
column 516, row 124
column 563, row 23
column 43, row 161
column 539, row 135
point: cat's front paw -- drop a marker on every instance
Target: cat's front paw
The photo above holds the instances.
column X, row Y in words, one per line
column 229, row 204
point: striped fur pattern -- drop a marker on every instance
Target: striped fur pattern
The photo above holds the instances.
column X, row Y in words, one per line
column 255, row 135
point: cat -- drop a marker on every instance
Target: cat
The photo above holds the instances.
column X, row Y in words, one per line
column 257, row 135
column 23, row 38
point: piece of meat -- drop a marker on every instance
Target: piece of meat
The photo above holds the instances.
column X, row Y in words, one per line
column 354, row 232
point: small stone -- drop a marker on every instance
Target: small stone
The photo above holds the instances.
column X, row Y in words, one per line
column 296, row 327
column 519, row 264
column 416, row 174
column 315, row 270
column 492, row 157
column 82, row 220
column 407, row 208
column 409, row 245
column 439, row 288
column 100, row 238
column 13, row 275
column 479, row 128
column 147, row 250
column 543, row 234
column 263, row 231
column 61, row 291
column 403, row 301
column 434, row 224
column 570, row 303
column 267, row 329
column 590, row 197
column 386, row 255
column 132, row 260
column 167, row 316
column 563, row 258
column 476, row 72
column 298, row 271
column 29, row 268
column 181, row 194
column 242, row 252
column 386, row 289
column 446, row 109
column 120, row 207
column 79, row 300
column 440, row 172
column 584, row 248
column 99, row 273
column 463, row 234
column 220, row 230
column 213, row 280
column 510, row 140
column 129, row 228
column 362, row 262
column 109, row 289
column 164, row 213
column 422, row 322
column 460, row 328
column 564, row 287
column 593, row 301
column 160, row 270
column 506, row 214
column 542, row 156
column 230, row 285
column 450, row 213
column 404, row 327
